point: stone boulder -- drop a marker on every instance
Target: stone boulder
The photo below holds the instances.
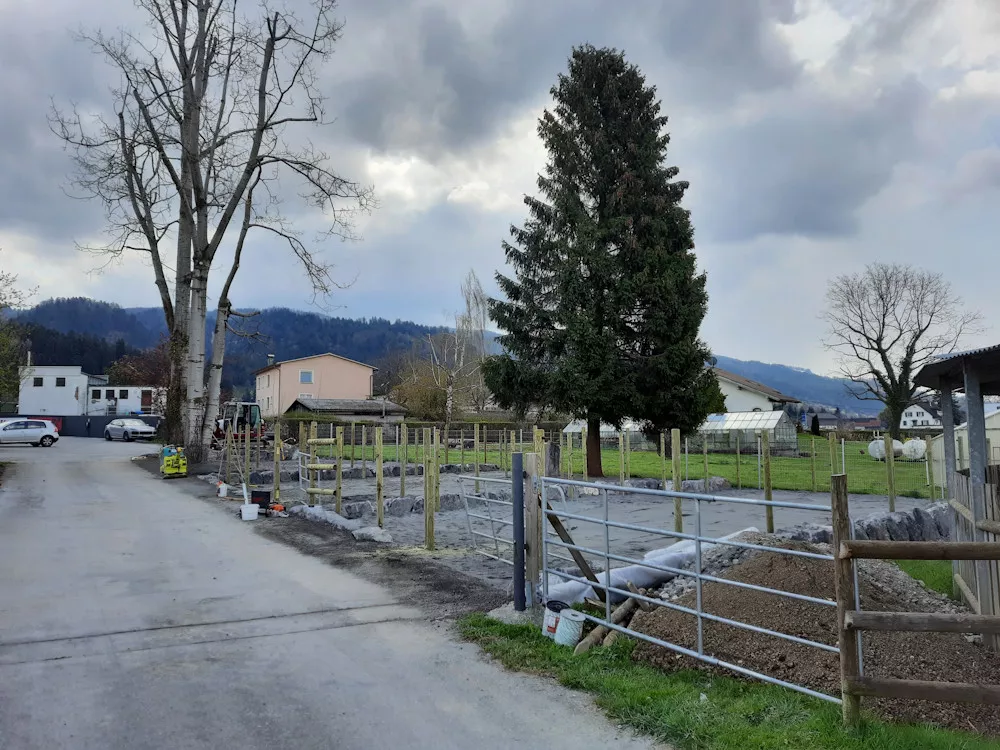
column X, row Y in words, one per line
column 372, row 534
column 399, row 506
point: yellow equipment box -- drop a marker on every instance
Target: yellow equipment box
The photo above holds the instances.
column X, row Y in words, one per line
column 173, row 462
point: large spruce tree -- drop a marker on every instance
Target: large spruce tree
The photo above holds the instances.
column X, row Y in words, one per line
column 602, row 317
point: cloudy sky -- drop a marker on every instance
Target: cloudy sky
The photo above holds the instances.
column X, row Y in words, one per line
column 817, row 135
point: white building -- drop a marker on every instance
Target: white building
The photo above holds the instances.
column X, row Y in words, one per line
column 67, row 391
column 920, row 416
column 743, row 394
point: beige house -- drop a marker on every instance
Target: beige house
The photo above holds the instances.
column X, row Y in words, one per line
column 321, row 376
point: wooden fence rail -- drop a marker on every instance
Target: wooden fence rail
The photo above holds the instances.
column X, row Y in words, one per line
column 854, row 685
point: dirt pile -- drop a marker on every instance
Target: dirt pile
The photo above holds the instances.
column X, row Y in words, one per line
column 925, row 656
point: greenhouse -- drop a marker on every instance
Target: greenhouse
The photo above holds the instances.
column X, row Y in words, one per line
column 740, row 430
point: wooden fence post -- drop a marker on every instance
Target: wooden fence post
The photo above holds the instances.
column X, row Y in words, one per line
column 406, row 459
column 276, row 480
column 338, row 498
column 461, row 439
column 621, row 457
column 231, row 448
column 313, row 474
column 352, row 444
column 379, row 500
column 532, row 527
column 890, row 471
column 436, row 470
column 583, row 444
column 833, row 453
column 663, row 461
column 628, row 454
column 475, row 454
column 704, row 451
column 303, row 437
column 929, row 457
column 364, row 452
column 739, row 482
column 246, row 455
column 447, row 443
column 428, row 495
column 844, row 587
column 765, row 449
column 675, row 455
column 812, row 462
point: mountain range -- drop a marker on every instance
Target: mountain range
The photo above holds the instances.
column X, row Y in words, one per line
column 292, row 333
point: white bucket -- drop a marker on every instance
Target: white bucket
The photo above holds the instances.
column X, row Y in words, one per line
column 570, row 627
column 223, row 489
column 551, row 621
column 249, row 511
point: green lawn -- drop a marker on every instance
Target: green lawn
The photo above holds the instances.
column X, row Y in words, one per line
column 935, row 574
column 735, row 714
column 864, row 475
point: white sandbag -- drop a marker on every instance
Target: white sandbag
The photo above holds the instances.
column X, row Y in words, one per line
column 675, row 556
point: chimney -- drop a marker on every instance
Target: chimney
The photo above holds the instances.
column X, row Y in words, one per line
column 270, row 360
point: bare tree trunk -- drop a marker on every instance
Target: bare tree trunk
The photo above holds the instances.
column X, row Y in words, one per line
column 195, row 401
column 594, row 469
column 449, row 398
column 215, row 371
column 895, row 415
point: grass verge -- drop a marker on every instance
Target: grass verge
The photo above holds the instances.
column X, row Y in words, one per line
column 934, row 574
column 733, row 715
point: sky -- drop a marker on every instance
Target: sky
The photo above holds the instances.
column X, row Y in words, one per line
column 816, row 135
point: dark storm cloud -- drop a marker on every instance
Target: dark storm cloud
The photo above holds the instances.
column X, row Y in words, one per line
column 808, row 168
column 435, row 85
column 40, row 67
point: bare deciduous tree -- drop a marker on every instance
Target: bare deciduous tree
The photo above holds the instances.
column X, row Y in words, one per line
column 201, row 131
column 886, row 323
column 12, row 348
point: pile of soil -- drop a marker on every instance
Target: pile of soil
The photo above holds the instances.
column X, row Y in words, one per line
column 949, row 657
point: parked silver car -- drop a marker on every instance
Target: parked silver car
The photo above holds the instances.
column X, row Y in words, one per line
column 32, row 431
column 128, row 429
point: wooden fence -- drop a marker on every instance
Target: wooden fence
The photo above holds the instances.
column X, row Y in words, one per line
column 977, row 582
column 854, row 685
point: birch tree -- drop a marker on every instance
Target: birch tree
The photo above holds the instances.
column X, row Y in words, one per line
column 205, row 130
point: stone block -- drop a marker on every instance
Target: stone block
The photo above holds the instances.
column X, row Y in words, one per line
column 372, row 534
column 926, row 526
column 399, row 506
column 451, row 502
column 356, row 509
column 808, row 532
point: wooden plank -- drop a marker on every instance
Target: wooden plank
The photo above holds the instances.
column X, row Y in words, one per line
column 319, row 491
column 578, row 558
column 321, row 441
column 321, row 467
column 880, row 550
column 992, row 527
column 923, row 622
column 971, row 599
column 844, row 588
column 962, row 510
column 924, row 690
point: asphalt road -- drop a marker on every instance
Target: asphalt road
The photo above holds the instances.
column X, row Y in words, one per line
column 133, row 615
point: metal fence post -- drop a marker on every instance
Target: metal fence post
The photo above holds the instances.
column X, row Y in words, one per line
column 475, row 453
column 517, row 497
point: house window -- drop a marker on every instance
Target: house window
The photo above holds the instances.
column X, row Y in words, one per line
column 306, row 376
column 109, row 394
column 268, row 403
column 123, row 393
column 267, row 383
column 908, row 414
column 37, row 382
column 60, row 382
column 95, row 394
column 305, row 395
column 904, row 423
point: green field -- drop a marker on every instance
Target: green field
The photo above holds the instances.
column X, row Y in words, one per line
column 864, row 474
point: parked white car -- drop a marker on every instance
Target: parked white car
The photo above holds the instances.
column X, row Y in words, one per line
column 32, row 431
column 128, row 429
